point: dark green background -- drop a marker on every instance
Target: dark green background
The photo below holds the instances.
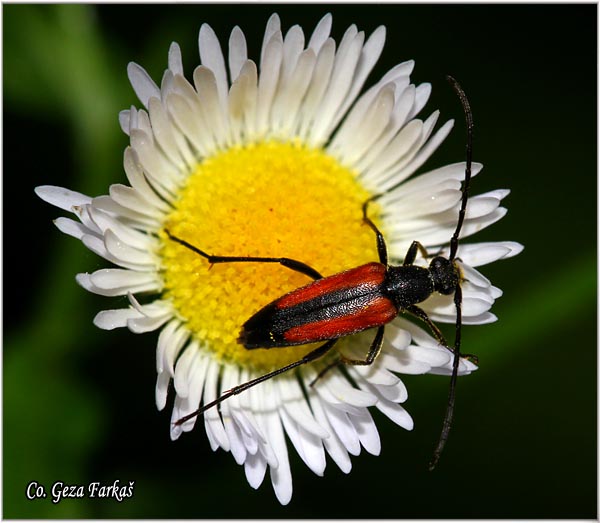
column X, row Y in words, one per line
column 79, row 402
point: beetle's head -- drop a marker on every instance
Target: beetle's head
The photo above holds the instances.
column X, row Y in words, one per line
column 445, row 273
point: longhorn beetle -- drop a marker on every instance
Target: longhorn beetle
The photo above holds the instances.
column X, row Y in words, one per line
column 355, row 300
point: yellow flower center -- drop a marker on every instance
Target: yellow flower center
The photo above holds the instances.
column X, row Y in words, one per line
column 268, row 199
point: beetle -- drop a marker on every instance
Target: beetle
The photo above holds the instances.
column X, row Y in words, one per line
column 361, row 298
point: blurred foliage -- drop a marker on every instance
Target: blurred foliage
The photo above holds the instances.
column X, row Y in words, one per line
column 78, row 402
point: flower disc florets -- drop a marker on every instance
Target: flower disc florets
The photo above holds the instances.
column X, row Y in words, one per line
column 270, row 199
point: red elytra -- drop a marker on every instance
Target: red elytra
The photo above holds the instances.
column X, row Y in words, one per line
column 379, row 311
column 370, row 274
column 345, row 303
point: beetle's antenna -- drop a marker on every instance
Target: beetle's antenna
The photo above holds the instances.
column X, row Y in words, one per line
column 448, row 417
column 465, row 191
column 311, row 356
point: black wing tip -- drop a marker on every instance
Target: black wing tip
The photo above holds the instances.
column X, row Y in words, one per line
column 243, row 339
column 258, row 339
column 258, row 331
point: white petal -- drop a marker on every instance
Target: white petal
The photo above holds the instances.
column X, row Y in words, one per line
column 142, row 122
column 148, row 323
column 358, row 139
column 87, row 282
column 110, row 279
column 424, row 205
column 212, row 57
column 344, row 68
column 369, row 55
column 481, row 319
column 208, row 93
column 345, row 393
column 319, row 81
column 238, row 52
column 342, row 427
column 125, row 120
column 294, row 403
column 262, row 406
column 403, row 362
column 125, row 254
column 473, row 304
column 474, row 276
column 191, row 123
column 424, row 153
column 175, row 62
column 137, row 219
column 374, row 374
column 391, row 409
column 115, row 318
column 290, row 96
column 62, row 198
column 333, row 445
column 401, row 147
column 309, row 446
column 293, row 44
column 71, row 227
column 281, row 476
column 465, row 368
column 477, row 254
column 455, row 171
column 397, row 336
column 321, row 33
column 243, row 417
column 273, row 26
column 163, row 134
column 367, row 431
column 395, row 393
column 154, row 163
column 422, row 94
column 212, row 421
column 267, row 82
column 371, row 161
column 441, row 233
column 162, row 387
column 255, row 467
column 230, row 378
column 183, row 368
column 196, row 376
column 170, row 341
column 142, row 84
column 129, row 198
column 130, row 236
column 245, row 89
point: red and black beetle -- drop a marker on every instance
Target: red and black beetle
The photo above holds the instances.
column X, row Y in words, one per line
column 365, row 297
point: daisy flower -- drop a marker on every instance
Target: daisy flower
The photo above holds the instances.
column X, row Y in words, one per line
column 274, row 158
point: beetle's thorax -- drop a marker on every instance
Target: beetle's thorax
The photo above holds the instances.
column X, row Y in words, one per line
column 407, row 285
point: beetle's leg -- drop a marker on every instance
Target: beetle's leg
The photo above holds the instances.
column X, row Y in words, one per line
column 473, row 358
column 374, row 351
column 411, row 254
column 311, row 356
column 295, row 265
column 422, row 315
column 381, row 247
column 325, row 370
